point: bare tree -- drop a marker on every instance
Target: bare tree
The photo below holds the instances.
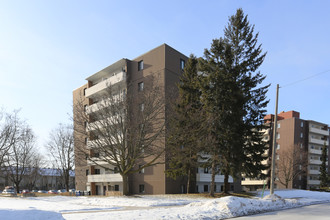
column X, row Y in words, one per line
column 21, row 156
column 125, row 129
column 9, row 131
column 61, row 149
column 290, row 163
column 34, row 172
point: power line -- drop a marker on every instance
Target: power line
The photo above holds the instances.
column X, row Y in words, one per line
column 298, row 81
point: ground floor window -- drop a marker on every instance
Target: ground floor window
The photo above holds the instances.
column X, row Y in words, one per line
column 206, row 188
column 116, row 187
column 141, row 188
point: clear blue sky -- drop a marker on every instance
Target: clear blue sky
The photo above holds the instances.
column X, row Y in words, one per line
column 48, row 48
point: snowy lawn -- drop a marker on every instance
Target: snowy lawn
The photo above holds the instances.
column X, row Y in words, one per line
column 153, row 207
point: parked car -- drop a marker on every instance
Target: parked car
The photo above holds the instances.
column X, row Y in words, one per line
column 25, row 191
column 72, row 190
column 34, row 191
column 52, row 192
column 61, row 191
column 9, row 190
column 42, row 191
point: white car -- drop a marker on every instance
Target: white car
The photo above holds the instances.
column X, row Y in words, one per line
column 9, row 191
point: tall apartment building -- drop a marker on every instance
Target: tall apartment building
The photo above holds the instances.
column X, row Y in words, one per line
column 167, row 64
column 300, row 140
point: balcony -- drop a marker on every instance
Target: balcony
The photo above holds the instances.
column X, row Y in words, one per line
column 319, row 131
column 249, row 182
column 317, row 162
column 95, row 144
column 314, row 172
column 318, row 141
column 116, row 177
column 96, row 161
column 206, row 177
column 97, row 125
column 113, row 80
column 104, row 103
column 313, row 182
column 314, row 151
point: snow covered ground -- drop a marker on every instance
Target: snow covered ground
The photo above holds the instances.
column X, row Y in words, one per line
column 153, row 207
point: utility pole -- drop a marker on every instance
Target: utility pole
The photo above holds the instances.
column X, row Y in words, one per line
column 272, row 175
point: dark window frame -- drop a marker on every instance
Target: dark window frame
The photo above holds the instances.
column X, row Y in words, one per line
column 141, row 188
column 182, row 64
column 140, row 86
column 140, row 65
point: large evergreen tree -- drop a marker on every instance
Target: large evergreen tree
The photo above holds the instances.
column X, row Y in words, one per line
column 323, row 168
column 234, row 101
column 184, row 134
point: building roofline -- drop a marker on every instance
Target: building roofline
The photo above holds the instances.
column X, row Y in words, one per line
column 162, row 45
column 107, row 69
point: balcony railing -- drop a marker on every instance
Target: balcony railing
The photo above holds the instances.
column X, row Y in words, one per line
column 113, row 80
column 116, row 177
column 116, row 99
column 252, row 182
column 206, row 177
column 313, row 182
column 319, row 131
column 318, row 141
column 317, row 162
column 315, row 172
column 314, row 151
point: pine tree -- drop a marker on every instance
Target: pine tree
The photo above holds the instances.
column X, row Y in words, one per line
column 183, row 142
column 323, row 168
column 234, row 101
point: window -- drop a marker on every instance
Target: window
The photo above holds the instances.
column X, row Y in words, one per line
column 182, row 64
column 278, row 147
column 85, row 108
column 86, row 140
column 301, row 146
column 302, row 124
column 97, row 155
column 300, row 167
column 301, row 135
column 277, row 157
column 299, row 177
column 87, row 172
column 141, row 171
column 116, row 187
column 97, row 171
column 206, row 188
column 141, row 107
column 85, row 124
column 140, row 86
column 141, row 188
column 278, row 125
column 140, row 65
column 278, row 136
column 206, row 170
column 115, row 170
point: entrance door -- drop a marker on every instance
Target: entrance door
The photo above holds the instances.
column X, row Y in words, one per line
column 97, row 190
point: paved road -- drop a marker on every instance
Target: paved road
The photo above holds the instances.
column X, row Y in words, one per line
column 314, row 212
